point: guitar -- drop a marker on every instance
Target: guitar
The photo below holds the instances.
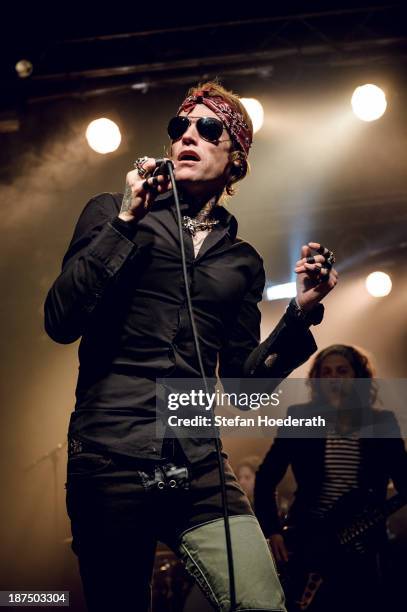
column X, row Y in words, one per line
column 355, row 526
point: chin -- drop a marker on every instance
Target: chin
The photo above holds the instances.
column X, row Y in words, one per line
column 188, row 181
column 186, row 174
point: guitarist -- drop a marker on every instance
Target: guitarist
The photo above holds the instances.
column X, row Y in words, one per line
column 329, row 468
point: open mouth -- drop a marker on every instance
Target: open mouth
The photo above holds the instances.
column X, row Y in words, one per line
column 188, row 156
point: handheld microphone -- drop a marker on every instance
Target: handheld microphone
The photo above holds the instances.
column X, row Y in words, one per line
column 161, row 166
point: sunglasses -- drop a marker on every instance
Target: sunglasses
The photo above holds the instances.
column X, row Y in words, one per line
column 209, row 128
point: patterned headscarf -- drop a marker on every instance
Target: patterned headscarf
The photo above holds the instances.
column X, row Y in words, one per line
column 233, row 120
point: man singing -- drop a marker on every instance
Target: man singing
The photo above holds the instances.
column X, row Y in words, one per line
column 121, row 290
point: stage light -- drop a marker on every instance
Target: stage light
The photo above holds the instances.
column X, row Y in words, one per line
column 255, row 110
column 280, row 292
column 24, row 68
column 368, row 102
column 103, row 135
column 378, row 284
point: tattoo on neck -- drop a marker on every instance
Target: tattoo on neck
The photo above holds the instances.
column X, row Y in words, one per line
column 206, row 210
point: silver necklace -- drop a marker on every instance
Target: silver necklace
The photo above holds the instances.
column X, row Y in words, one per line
column 194, row 225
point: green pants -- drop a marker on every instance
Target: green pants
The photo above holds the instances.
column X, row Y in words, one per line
column 203, row 550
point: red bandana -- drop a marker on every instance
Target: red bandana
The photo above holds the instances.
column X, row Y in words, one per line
column 234, row 121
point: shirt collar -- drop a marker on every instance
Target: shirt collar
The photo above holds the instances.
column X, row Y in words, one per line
column 226, row 219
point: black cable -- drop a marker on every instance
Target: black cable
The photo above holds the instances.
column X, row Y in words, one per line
column 232, row 587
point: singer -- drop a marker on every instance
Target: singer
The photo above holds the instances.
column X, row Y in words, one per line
column 121, row 291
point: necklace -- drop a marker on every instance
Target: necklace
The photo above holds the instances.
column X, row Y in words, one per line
column 195, row 225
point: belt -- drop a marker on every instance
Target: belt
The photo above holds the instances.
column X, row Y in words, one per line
column 169, row 472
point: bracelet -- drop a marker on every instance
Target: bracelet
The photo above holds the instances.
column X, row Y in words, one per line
column 313, row 317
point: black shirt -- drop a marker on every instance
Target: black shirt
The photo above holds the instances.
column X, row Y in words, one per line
column 121, row 289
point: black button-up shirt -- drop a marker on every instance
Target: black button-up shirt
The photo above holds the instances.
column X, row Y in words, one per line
column 121, row 289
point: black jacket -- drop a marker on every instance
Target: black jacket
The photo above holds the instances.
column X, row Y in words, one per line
column 121, row 290
column 382, row 457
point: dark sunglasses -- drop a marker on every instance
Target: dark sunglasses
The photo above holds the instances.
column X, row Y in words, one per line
column 209, row 128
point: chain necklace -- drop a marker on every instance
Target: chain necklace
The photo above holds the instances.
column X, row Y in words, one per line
column 202, row 220
column 194, row 225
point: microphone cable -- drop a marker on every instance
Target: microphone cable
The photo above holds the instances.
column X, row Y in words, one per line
column 232, row 587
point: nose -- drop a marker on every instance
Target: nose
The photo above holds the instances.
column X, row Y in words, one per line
column 190, row 136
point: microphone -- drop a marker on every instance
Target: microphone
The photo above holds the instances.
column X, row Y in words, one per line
column 161, row 166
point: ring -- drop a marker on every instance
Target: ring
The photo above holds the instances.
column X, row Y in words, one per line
column 329, row 256
column 153, row 185
column 330, row 260
column 138, row 164
column 310, row 259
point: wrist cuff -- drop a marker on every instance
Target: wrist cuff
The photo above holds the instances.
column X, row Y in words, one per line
column 127, row 228
column 313, row 317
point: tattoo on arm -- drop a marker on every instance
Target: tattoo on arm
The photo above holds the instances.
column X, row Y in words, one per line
column 126, row 202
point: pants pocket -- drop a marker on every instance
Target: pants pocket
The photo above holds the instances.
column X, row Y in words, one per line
column 87, row 463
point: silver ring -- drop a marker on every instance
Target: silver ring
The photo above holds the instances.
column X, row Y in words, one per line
column 138, row 164
column 330, row 259
column 329, row 256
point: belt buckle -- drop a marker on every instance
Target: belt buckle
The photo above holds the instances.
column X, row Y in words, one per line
column 176, row 476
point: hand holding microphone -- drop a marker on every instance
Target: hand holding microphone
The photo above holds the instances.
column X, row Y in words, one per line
column 150, row 177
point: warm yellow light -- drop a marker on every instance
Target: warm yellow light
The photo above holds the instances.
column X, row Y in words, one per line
column 255, row 110
column 24, row 68
column 378, row 284
column 368, row 102
column 103, row 135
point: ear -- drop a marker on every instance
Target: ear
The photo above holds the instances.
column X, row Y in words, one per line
column 238, row 163
column 236, row 169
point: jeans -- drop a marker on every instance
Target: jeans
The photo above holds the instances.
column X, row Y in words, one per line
column 118, row 511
